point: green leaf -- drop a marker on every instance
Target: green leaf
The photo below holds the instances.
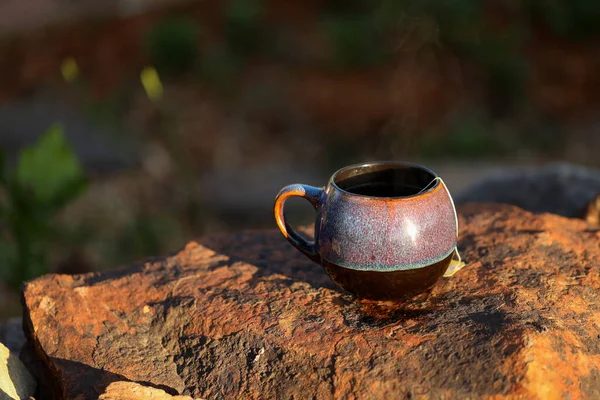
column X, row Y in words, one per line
column 50, row 169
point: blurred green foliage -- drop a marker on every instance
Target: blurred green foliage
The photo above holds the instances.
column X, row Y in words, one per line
column 220, row 65
column 364, row 34
column 357, row 35
column 46, row 177
column 466, row 138
column 244, row 30
column 572, row 19
column 356, row 40
column 348, row 6
column 457, row 22
column 480, row 136
column 173, row 45
column 499, row 56
column 462, row 26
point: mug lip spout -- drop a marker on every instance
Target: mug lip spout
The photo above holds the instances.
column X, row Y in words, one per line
column 385, row 164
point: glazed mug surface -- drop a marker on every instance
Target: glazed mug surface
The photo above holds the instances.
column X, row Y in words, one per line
column 384, row 230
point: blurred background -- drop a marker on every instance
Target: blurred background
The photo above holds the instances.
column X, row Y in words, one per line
column 129, row 127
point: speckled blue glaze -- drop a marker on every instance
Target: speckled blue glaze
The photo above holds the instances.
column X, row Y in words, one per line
column 386, row 234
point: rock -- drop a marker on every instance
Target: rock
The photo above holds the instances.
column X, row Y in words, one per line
column 134, row 391
column 248, row 316
column 15, row 380
column 558, row 188
column 11, row 334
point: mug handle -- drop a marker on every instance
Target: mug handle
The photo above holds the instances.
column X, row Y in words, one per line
column 310, row 193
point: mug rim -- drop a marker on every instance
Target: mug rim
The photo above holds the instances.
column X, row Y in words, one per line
column 382, row 163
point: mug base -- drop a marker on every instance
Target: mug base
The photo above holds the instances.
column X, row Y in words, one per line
column 390, row 285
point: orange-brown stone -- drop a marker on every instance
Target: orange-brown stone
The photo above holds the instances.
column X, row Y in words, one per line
column 247, row 316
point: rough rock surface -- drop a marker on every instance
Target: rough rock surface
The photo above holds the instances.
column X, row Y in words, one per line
column 15, row 380
column 247, row 316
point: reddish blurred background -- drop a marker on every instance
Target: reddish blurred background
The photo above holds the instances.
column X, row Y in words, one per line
column 252, row 95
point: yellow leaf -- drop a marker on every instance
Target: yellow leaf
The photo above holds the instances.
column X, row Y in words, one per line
column 69, row 69
column 151, row 82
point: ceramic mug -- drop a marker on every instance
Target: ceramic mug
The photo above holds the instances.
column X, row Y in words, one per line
column 384, row 230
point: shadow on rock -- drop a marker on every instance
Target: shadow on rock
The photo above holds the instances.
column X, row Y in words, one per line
column 268, row 252
column 88, row 381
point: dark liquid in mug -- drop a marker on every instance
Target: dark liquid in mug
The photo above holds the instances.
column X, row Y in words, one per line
column 378, row 189
column 387, row 182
